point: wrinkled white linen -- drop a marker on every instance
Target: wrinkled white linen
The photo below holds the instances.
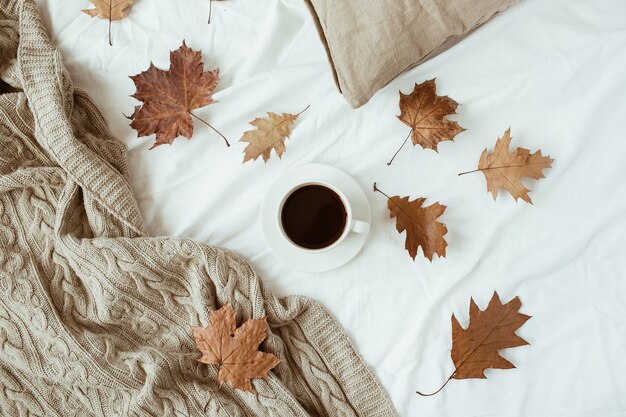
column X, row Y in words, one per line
column 554, row 71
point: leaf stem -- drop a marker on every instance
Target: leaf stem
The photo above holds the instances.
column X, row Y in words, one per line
column 378, row 190
column 469, row 172
column 110, row 21
column 440, row 388
column 210, row 10
column 400, row 148
column 217, row 131
column 307, row 107
column 502, row 166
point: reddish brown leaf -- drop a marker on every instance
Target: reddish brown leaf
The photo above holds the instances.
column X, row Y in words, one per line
column 426, row 114
column 169, row 96
column 234, row 350
column 420, row 223
column 477, row 347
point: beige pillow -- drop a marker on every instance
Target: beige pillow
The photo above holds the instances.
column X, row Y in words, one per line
column 370, row 42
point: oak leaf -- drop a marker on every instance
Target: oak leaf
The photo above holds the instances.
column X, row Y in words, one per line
column 169, row 96
column 504, row 169
column 477, row 348
column 426, row 114
column 110, row 10
column 270, row 133
column 234, row 349
column 420, row 223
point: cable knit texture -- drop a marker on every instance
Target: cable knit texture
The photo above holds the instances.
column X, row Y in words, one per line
column 95, row 316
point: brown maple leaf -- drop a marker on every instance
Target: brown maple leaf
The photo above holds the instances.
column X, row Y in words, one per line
column 477, row 348
column 110, row 10
column 269, row 134
column 504, row 169
column 420, row 223
column 234, row 349
column 168, row 97
column 426, row 114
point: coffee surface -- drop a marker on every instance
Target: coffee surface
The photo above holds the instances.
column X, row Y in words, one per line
column 313, row 217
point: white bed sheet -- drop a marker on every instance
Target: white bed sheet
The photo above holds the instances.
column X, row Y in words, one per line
column 555, row 71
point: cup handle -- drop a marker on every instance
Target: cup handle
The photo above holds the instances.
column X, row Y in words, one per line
column 360, row 227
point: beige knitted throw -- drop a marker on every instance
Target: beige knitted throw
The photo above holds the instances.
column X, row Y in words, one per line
column 95, row 316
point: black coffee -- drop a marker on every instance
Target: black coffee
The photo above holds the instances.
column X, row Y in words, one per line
column 313, row 217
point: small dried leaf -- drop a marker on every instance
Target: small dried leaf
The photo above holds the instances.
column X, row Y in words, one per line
column 234, row 350
column 420, row 223
column 504, row 169
column 426, row 114
column 269, row 134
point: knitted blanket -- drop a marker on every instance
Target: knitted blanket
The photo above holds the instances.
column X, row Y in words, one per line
column 96, row 316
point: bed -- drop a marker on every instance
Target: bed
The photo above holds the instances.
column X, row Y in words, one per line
column 552, row 71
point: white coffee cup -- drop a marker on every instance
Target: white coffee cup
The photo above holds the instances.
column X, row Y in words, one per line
column 351, row 226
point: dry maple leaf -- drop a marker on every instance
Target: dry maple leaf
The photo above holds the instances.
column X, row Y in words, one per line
column 168, row 97
column 269, row 134
column 477, row 348
column 504, row 169
column 234, row 350
column 426, row 114
column 110, row 10
column 420, row 223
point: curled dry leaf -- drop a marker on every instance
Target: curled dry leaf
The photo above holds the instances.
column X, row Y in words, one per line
column 477, row 348
column 426, row 114
column 110, row 10
column 234, row 349
column 504, row 169
column 269, row 134
column 420, row 223
column 169, row 96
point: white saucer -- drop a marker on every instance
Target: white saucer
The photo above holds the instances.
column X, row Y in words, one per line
column 286, row 251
